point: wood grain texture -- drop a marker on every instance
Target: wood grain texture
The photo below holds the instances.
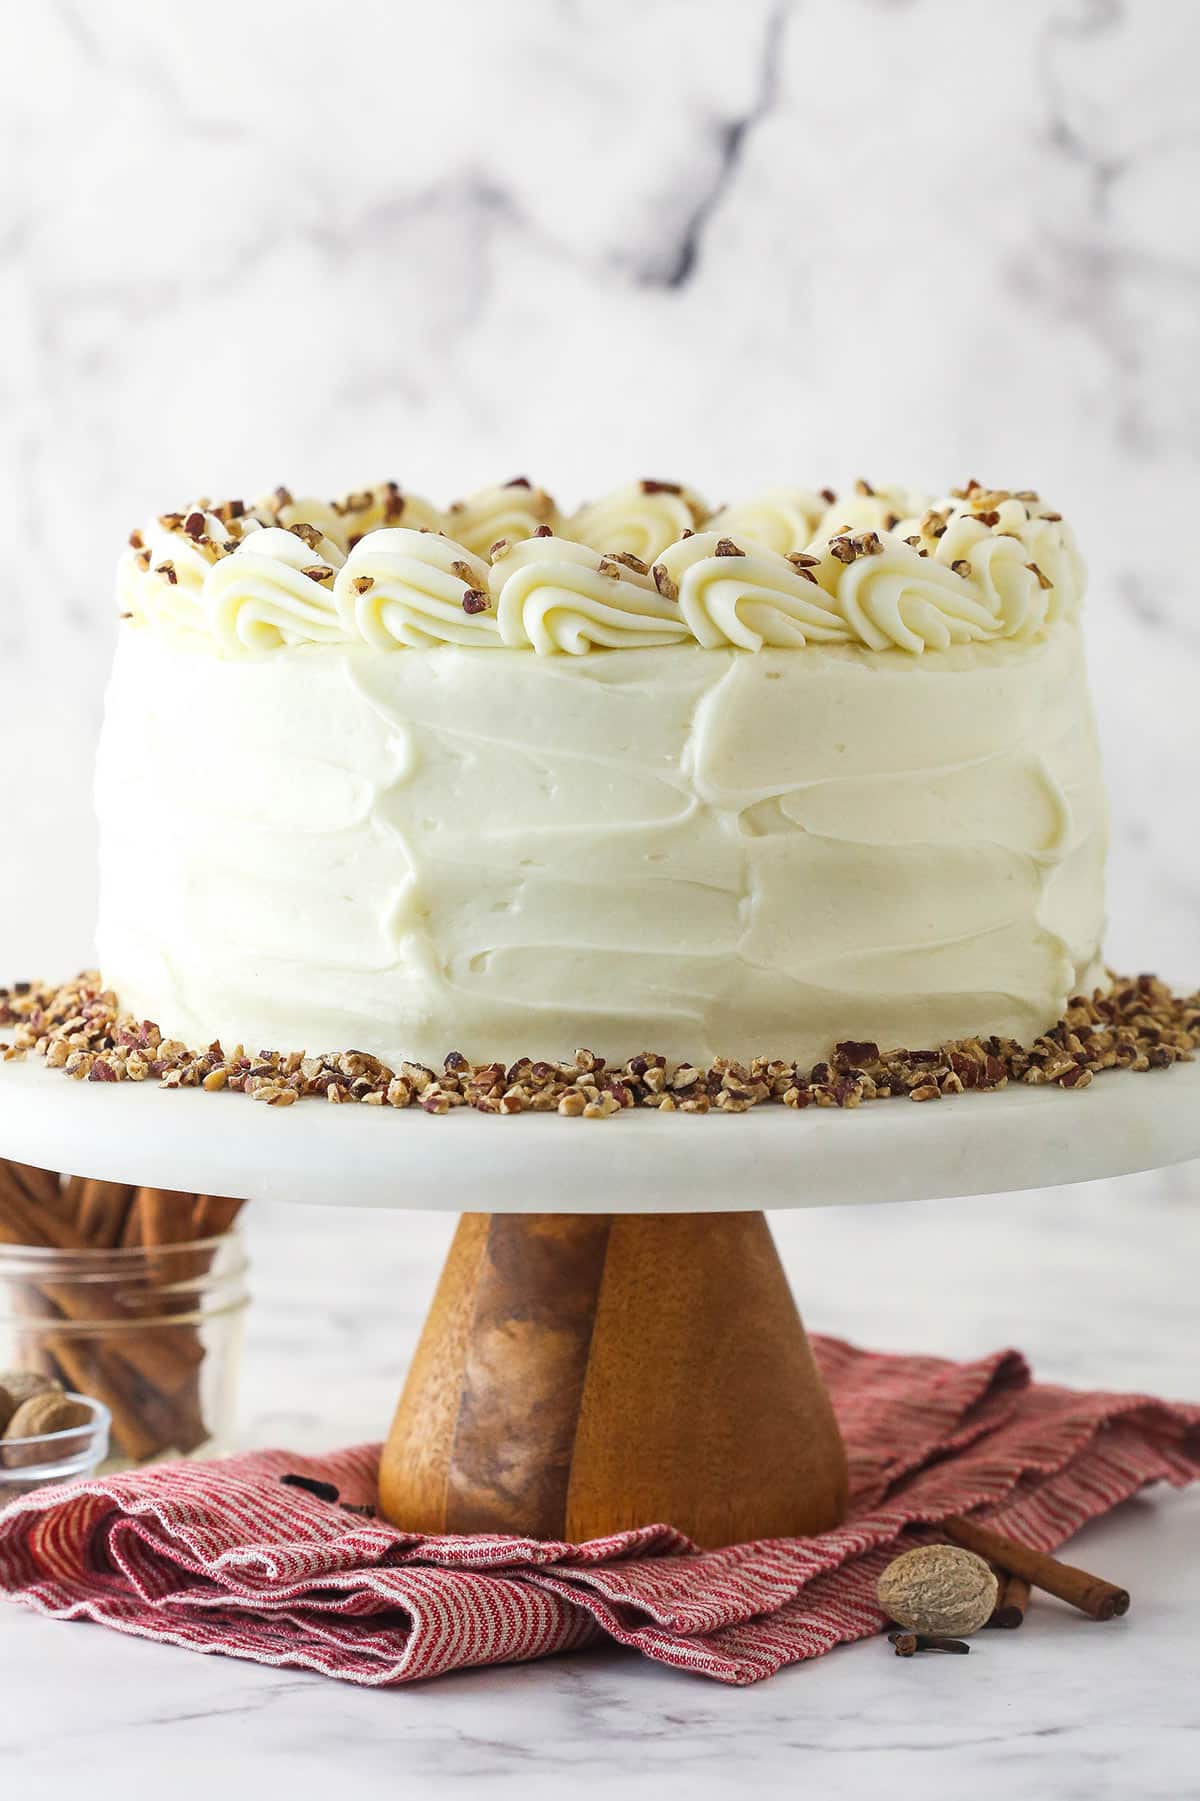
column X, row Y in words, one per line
column 524, row 1371
column 415, row 1465
column 578, row 1374
column 703, row 1405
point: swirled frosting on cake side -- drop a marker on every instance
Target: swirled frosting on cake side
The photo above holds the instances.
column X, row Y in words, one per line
column 647, row 564
column 753, row 780
column 699, row 851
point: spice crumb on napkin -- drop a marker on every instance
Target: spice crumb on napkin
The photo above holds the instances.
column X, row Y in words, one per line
column 225, row 1557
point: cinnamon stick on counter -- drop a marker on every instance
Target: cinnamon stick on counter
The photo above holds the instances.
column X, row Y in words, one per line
column 1011, row 1602
column 1091, row 1594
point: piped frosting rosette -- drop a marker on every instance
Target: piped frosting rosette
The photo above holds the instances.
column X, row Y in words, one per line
column 890, row 596
column 401, row 587
column 553, row 594
column 864, row 508
column 746, row 595
column 639, row 519
column 500, row 568
column 275, row 589
column 1024, row 561
column 780, row 519
column 513, row 511
column 347, row 520
column 162, row 573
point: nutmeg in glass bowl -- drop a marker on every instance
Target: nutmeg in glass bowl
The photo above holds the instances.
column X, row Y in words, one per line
column 57, row 1452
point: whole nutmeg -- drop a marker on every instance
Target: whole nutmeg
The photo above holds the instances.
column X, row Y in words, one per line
column 20, row 1384
column 48, row 1411
column 940, row 1590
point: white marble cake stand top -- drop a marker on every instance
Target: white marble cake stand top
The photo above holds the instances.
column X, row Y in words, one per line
column 635, row 1162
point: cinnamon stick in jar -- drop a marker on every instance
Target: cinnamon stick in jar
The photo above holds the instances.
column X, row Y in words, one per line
column 41, row 1186
column 1091, row 1594
column 100, row 1212
column 213, row 1214
column 165, row 1216
column 163, row 1358
column 149, row 1377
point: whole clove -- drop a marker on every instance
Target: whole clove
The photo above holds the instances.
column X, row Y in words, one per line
column 327, row 1491
column 907, row 1644
column 312, row 1485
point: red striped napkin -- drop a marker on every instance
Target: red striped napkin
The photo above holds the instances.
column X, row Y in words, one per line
column 223, row 1557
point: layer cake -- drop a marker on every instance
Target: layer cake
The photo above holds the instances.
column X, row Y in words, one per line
column 506, row 781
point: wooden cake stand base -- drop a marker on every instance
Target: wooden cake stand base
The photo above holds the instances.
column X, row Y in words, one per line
column 578, row 1374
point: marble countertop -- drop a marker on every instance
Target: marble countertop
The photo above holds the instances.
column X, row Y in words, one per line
column 1095, row 1283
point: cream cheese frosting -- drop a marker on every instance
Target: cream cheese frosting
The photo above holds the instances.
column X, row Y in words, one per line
column 554, row 595
column 639, row 520
column 647, row 564
column 795, row 771
column 697, row 851
column 747, row 597
column 782, row 519
column 404, row 587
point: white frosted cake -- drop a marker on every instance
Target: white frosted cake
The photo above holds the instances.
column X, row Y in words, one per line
column 508, row 782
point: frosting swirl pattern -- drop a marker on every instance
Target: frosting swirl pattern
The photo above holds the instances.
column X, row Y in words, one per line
column 275, row 589
column 400, row 587
column 746, row 595
column 388, row 569
column 555, row 595
column 639, row 520
column 347, row 520
column 870, row 509
column 513, row 511
column 1027, row 564
column 163, row 570
column 782, row 519
column 892, row 597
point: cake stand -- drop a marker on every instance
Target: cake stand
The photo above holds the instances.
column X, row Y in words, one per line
column 612, row 1340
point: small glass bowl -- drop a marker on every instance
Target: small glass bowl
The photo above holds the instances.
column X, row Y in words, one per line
column 27, row 1464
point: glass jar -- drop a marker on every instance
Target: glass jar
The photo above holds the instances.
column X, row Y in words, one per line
column 33, row 1461
column 154, row 1334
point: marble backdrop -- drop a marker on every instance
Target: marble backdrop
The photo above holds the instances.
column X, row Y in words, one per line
column 735, row 242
